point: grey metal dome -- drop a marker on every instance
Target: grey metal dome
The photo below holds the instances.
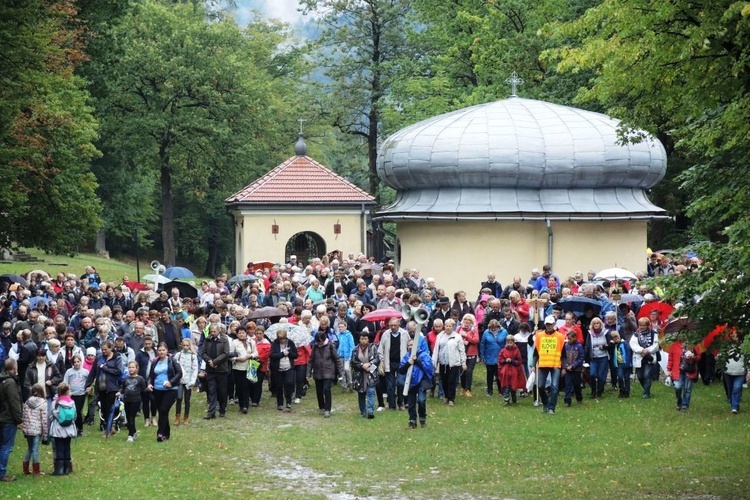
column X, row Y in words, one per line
column 518, row 143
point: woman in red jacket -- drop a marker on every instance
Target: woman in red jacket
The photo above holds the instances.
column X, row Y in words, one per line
column 682, row 366
column 468, row 331
column 263, row 346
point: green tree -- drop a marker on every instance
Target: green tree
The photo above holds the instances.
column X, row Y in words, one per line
column 679, row 69
column 46, row 129
column 186, row 100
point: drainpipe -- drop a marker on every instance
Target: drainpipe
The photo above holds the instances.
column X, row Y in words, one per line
column 362, row 230
column 550, row 242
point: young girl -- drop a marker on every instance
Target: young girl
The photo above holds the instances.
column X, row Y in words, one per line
column 76, row 377
column 510, row 370
column 188, row 361
column 62, row 406
column 131, row 389
column 34, row 427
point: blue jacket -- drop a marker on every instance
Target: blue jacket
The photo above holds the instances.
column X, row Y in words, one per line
column 627, row 355
column 423, row 372
column 346, row 345
column 491, row 345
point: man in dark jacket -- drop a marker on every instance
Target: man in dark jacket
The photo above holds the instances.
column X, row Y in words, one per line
column 215, row 352
column 10, row 416
column 169, row 331
column 26, row 356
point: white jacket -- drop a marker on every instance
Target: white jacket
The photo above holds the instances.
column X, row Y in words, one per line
column 455, row 349
column 639, row 352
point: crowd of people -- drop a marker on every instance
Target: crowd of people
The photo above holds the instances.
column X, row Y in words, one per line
column 72, row 345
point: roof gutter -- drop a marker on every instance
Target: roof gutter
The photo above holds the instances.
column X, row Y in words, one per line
column 538, row 218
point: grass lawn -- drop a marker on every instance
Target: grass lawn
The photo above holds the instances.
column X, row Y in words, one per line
column 479, row 449
column 109, row 269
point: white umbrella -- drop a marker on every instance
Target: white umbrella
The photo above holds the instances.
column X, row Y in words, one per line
column 156, row 278
column 615, row 273
column 297, row 334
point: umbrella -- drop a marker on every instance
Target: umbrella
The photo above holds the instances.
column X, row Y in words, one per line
column 631, row 298
column 111, row 417
column 186, row 289
column 615, row 273
column 14, row 278
column 296, row 333
column 34, row 301
column 39, row 271
column 381, row 314
column 578, row 305
column 156, row 278
column 267, row 312
column 664, row 309
column 679, row 324
column 259, row 266
column 376, row 269
column 178, row 273
column 135, row 286
column 242, row 278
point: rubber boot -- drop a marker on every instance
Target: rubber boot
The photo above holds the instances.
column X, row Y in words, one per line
column 26, row 470
column 68, row 467
column 37, row 469
column 59, row 468
column 177, row 420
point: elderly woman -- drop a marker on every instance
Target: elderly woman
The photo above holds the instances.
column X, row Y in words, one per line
column 645, row 345
column 470, row 335
column 245, row 350
column 315, row 292
column 449, row 357
column 365, row 361
column 325, row 366
column 597, row 354
column 283, row 354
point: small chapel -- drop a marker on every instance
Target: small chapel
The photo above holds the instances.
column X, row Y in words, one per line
column 511, row 185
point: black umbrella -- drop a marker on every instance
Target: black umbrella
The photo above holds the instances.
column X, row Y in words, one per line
column 14, row 278
column 578, row 305
column 186, row 289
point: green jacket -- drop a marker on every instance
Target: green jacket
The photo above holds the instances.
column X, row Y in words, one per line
column 11, row 408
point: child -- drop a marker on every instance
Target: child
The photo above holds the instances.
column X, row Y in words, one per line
column 573, row 356
column 188, row 361
column 63, row 429
column 76, row 377
column 510, row 370
column 34, row 427
column 131, row 389
column 346, row 348
column 622, row 362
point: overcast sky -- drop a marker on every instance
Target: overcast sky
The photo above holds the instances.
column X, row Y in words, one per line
column 285, row 10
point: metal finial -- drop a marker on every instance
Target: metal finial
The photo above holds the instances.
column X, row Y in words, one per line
column 514, row 81
column 301, row 121
column 300, row 148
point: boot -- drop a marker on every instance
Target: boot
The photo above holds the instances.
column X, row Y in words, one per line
column 177, row 420
column 186, row 420
column 59, row 468
column 26, row 470
column 68, row 467
column 153, row 422
column 37, row 470
column 513, row 397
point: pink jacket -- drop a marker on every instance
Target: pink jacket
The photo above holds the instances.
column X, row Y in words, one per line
column 35, row 417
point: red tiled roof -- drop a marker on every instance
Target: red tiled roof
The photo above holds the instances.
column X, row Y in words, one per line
column 300, row 179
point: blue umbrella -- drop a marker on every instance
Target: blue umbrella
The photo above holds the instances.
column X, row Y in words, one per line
column 178, row 273
column 111, row 418
column 578, row 305
column 34, row 301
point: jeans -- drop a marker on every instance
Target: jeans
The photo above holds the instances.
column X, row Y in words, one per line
column 733, row 384
column 184, row 393
column 492, row 378
column 683, row 389
column 7, row 440
column 323, row 391
column 553, row 374
column 107, row 400
column 217, row 392
column 163, row 400
column 394, row 390
column 367, row 401
column 644, row 374
column 32, row 452
column 623, row 379
column 598, row 371
column 62, row 449
column 573, row 385
column 284, row 384
column 417, row 403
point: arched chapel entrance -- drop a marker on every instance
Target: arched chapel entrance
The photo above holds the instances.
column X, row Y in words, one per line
column 305, row 245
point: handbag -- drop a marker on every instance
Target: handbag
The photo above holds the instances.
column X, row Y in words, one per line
column 252, row 370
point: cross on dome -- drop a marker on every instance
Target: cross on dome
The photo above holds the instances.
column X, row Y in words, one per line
column 513, row 81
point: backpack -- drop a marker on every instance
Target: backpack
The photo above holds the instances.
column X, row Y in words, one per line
column 66, row 415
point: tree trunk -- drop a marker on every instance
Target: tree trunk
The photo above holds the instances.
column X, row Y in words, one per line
column 167, row 225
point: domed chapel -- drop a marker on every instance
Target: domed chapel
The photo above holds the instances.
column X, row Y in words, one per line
column 511, row 185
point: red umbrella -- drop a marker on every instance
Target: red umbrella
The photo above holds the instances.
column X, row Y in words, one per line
column 135, row 286
column 664, row 310
column 381, row 314
column 259, row 266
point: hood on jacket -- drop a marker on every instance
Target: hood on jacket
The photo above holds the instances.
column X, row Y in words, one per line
column 35, row 402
